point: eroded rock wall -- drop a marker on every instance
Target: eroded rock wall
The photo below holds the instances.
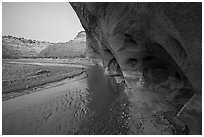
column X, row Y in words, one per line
column 154, row 45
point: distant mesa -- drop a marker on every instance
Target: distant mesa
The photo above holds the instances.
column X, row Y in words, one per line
column 14, row 47
column 71, row 49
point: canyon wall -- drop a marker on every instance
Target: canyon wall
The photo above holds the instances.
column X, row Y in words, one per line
column 154, row 45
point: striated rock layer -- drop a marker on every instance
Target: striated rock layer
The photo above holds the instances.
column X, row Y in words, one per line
column 13, row 47
column 157, row 48
column 73, row 48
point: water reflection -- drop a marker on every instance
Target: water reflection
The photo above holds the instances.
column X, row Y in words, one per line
column 108, row 103
column 102, row 89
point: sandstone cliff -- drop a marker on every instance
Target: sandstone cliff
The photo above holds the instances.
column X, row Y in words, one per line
column 159, row 44
column 73, row 48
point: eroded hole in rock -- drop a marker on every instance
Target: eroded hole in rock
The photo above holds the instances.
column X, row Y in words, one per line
column 111, row 64
column 163, row 76
column 108, row 51
column 127, row 35
column 162, row 72
column 156, row 73
column 132, row 64
column 160, row 63
column 114, row 68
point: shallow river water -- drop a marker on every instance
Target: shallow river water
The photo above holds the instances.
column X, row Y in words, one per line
column 80, row 106
column 92, row 103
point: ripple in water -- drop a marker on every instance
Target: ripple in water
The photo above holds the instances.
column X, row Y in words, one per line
column 109, row 106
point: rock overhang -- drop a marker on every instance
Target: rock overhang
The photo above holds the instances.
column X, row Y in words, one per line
column 152, row 43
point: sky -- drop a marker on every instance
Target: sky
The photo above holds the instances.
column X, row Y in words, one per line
column 53, row 21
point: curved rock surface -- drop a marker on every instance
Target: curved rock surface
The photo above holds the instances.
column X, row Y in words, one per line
column 155, row 46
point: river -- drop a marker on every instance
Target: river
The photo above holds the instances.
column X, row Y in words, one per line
column 66, row 108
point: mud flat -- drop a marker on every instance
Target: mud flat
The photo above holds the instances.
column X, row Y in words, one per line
column 23, row 76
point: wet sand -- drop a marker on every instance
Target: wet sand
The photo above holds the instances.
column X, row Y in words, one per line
column 52, row 64
column 50, row 111
column 22, row 77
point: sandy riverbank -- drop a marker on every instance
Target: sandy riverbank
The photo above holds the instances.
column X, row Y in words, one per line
column 25, row 76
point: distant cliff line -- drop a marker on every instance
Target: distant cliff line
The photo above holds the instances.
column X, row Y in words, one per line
column 17, row 47
column 26, row 40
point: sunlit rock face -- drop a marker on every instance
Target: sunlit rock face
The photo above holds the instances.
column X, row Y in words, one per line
column 157, row 49
column 14, row 47
column 70, row 49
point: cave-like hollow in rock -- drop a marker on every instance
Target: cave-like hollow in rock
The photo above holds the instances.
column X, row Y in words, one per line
column 156, row 48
